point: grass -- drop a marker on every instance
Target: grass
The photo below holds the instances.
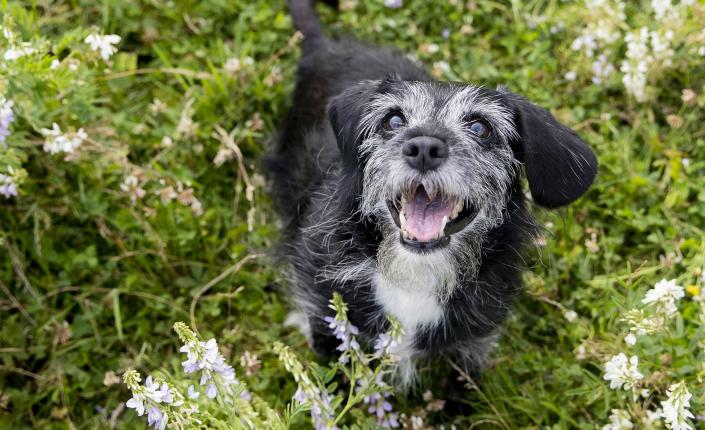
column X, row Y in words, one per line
column 91, row 279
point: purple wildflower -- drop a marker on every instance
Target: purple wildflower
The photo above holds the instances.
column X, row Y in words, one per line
column 6, row 118
column 8, row 188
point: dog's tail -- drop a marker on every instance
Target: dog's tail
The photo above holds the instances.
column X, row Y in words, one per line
column 306, row 20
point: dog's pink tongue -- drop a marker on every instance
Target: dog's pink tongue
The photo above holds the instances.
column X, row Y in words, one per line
column 424, row 219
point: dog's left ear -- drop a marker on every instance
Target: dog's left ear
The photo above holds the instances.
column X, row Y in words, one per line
column 345, row 112
column 559, row 165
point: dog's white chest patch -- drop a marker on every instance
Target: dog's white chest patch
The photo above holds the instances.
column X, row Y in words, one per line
column 413, row 302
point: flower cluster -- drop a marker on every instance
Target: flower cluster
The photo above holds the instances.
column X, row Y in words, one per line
column 57, row 141
column 308, row 392
column 379, row 406
column 370, row 388
column 649, row 49
column 204, row 357
column 343, row 330
column 676, row 408
column 622, row 371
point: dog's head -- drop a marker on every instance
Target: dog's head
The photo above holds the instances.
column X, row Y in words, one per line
column 438, row 160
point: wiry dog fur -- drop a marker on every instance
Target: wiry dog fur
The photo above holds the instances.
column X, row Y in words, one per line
column 335, row 168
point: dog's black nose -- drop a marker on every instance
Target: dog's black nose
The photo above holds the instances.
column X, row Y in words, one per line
column 425, row 152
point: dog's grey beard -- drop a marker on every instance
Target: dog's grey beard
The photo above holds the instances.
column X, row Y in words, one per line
column 386, row 176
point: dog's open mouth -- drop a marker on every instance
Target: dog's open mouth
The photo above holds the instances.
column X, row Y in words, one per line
column 427, row 221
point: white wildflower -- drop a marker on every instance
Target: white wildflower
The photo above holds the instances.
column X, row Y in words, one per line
column 232, row 66
column 570, row 76
column 157, row 106
column 601, row 69
column 636, row 66
column 21, row 50
column 652, row 420
column 585, row 42
column 664, row 296
column 103, row 44
column 131, row 185
column 56, row 141
column 55, row 64
column 630, row 339
column 570, row 315
column 621, row 371
column 676, row 408
column 619, row 420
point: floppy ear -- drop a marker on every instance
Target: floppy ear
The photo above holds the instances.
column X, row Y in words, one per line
column 559, row 166
column 345, row 112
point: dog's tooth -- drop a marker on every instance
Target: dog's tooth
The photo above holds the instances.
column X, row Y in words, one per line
column 456, row 210
column 431, row 194
column 443, row 226
column 402, row 220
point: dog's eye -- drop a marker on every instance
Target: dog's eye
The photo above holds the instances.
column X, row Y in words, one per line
column 394, row 121
column 480, row 128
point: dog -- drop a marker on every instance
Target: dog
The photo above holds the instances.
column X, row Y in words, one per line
column 404, row 195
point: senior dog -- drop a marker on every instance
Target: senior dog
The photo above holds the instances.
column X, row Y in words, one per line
column 404, row 195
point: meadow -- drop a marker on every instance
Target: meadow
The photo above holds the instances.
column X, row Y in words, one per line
column 132, row 198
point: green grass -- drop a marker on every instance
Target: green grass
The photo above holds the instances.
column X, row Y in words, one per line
column 92, row 281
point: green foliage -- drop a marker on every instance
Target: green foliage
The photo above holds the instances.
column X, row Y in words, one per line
column 161, row 215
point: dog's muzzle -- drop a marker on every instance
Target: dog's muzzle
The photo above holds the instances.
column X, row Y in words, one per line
column 426, row 221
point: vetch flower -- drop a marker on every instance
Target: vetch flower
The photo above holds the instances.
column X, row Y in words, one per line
column 621, row 371
column 103, row 44
column 6, row 118
column 57, row 141
column 192, row 393
column 676, row 408
column 664, row 296
column 136, row 403
column 385, row 344
column 8, row 188
column 343, row 331
column 156, row 418
column 393, row 4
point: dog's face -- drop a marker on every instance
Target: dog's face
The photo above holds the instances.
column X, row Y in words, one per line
column 439, row 160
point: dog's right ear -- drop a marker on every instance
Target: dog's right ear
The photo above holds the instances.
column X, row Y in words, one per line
column 345, row 112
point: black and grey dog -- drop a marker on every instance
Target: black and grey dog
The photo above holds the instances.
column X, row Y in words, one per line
column 405, row 195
